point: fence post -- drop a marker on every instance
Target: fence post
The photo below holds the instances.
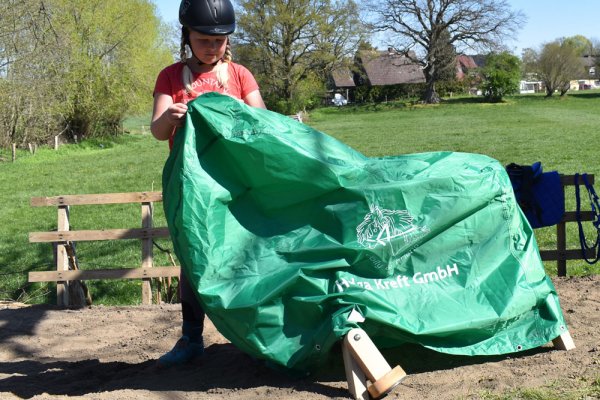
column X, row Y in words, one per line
column 14, row 152
column 561, row 243
column 147, row 255
column 62, row 260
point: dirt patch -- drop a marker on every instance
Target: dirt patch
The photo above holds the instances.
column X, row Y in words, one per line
column 110, row 352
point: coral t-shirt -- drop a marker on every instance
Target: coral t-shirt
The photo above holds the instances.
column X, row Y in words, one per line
column 170, row 82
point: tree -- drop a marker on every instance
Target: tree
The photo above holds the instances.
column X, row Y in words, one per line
column 501, row 76
column 291, row 45
column 596, row 56
column 113, row 54
column 444, row 53
column 75, row 67
column 558, row 64
column 583, row 46
column 429, row 25
column 30, row 105
column 529, row 60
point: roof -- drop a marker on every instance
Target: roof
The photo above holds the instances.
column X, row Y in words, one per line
column 479, row 60
column 342, row 78
column 464, row 63
column 389, row 68
column 467, row 62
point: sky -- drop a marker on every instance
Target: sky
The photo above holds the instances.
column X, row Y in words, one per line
column 546, row 20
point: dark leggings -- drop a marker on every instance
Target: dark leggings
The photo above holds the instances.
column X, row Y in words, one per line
column 191, row 309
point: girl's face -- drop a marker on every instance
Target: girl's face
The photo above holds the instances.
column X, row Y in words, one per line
column 208, row 49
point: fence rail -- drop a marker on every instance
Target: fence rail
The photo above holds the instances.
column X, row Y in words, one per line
column 562, row 254
column 66, row 272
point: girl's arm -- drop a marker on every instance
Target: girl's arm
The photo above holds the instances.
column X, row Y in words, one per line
column 166, row 116
column 254, row 99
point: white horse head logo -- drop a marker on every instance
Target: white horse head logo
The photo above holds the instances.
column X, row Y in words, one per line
column 380, row 226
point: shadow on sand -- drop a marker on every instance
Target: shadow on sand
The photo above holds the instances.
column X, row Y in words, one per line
column 223, row 367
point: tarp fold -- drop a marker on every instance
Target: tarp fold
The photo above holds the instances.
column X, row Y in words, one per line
column 287, row 235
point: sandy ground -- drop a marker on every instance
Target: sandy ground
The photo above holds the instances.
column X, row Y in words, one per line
column 110, row 352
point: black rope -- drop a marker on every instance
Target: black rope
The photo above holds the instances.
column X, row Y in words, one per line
column 161, row 248
column 595, row 205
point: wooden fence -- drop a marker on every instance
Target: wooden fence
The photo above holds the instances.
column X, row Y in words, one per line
column 64, row 237
column 562, row 254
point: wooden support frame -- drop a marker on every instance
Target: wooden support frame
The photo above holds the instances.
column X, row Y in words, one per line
column 357, row 380
column 564, row 342
column 147, row 271
column 368, row 373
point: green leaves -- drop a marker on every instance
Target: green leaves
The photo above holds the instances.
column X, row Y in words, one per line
column 291, row 46
column 77, row 67
column 501, row 76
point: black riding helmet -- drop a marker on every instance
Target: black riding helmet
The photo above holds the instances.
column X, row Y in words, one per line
column 210, row 17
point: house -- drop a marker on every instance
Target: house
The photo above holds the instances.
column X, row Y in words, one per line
column 382, row 68
column 342, row 81
column 464, row 65
column 530, row 86
column 376, row 68
column 589, row 79
column 589, row 63
column 388, row 68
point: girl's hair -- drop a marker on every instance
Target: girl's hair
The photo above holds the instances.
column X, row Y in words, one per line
column 184, row 54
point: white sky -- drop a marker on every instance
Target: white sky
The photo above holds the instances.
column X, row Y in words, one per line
column 546, row 20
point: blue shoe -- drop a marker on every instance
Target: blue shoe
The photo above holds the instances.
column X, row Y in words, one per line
column 183, row 352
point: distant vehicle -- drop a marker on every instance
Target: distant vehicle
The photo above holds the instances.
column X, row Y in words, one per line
column 339, row 100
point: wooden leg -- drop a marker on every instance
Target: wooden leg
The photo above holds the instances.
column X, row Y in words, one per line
column 382, row 377
column 564, row 342
column 357, row 381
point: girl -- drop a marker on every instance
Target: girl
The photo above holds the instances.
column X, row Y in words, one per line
column 206, row 26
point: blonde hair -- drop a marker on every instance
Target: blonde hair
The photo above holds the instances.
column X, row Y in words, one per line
column 185, row 53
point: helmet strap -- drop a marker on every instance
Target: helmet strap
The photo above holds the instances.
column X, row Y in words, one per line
column 201, row 63
column 185, row 32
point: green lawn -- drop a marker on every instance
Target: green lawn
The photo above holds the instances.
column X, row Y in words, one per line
column 131, row 163
column 562, row 133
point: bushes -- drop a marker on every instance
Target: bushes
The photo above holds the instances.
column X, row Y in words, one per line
column 26, row 116
column 501, row 76
column 377, row 94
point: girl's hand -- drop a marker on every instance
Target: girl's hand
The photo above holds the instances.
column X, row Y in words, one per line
column 166, row 116
column 175, row 114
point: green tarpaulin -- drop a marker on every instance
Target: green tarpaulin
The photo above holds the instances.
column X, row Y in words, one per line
column 291, row 238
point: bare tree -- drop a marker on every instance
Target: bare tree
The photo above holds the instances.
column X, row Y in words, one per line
column 558, row 64
column 428, row 25
column 26, row 92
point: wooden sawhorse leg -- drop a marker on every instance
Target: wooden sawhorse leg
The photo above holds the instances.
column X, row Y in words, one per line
column 564, row 342
column 367, row 372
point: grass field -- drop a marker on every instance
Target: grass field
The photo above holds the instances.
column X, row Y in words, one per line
column 562, row 133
